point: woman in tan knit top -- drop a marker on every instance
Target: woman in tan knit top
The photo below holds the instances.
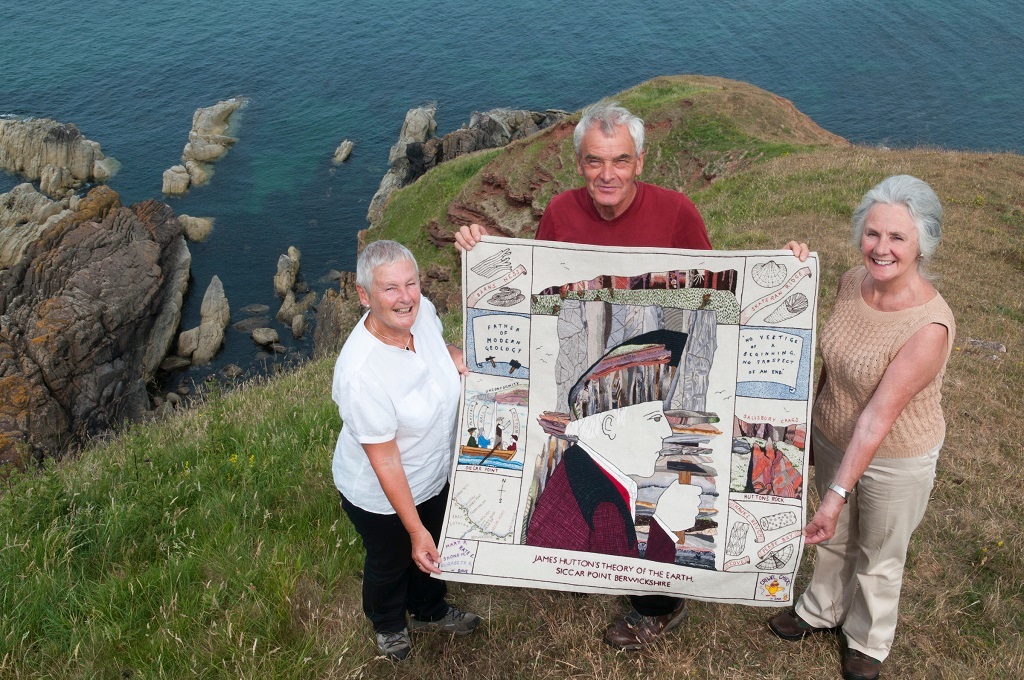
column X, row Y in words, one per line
column 877, row 425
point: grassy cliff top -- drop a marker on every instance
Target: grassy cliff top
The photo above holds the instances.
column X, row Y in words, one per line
column 214, row 545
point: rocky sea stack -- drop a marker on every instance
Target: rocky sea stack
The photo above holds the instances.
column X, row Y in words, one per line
column 55, row 154
column 86, row 315
column 208, row 140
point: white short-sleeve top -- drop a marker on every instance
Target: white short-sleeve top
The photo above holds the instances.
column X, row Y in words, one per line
column 386, row 393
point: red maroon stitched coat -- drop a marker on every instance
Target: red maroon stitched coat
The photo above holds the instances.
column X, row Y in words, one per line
column 581, row 509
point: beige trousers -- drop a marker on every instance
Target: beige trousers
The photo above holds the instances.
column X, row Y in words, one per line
column 859, row 571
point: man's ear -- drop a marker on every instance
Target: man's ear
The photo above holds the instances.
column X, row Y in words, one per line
column 608, row 425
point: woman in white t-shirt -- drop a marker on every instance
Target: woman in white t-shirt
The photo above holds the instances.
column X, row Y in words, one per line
column 396, row 384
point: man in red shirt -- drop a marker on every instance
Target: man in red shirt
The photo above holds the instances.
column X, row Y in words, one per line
column 613, row 208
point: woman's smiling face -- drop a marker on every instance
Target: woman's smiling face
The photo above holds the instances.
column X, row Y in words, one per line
column 889, row 244
column 394, row 297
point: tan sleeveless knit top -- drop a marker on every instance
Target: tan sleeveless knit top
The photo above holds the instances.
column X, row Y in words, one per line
column 857, row 344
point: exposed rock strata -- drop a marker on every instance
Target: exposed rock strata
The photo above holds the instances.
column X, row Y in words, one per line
column 56, row 154
column 83, row 317
column 24, row 215
column 418, row 127
column 418, row 150
column 207, row 141
column 337, row 313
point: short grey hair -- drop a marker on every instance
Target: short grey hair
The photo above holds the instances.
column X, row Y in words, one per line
column 609, row 115
column 918, row 198
column 377, row 254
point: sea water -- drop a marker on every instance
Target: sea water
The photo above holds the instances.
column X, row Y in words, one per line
column 130, row 75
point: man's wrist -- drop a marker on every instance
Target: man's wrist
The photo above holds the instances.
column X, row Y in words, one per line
column 840, row 491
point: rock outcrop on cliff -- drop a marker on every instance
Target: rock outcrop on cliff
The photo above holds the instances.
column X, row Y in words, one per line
column 86, row 315
column 207, row 141
column 287, row 271
column 55, row 154
column 488, row 130
column 418, row 149
column 201, row 344
column 699, row 130
column 418, row 127
column 287, row 285
column 24, row 215
column 337, row 314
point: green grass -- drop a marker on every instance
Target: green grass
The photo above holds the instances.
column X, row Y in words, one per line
column 650, row 98
column 411, row 208
column 213, row 545
column 179, row 547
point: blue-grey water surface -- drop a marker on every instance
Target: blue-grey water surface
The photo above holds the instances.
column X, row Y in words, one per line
column 130, row 74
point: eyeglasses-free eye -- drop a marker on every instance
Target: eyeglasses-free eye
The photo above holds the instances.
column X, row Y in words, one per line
column 619, row 162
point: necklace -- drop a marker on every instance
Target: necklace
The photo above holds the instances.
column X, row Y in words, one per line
column 386, row 340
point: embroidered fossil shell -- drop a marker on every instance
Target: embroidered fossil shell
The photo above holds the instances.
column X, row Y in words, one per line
column 768, row 274
column 790, row 307
column 777, row 560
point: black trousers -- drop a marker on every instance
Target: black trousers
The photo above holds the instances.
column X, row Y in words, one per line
column 654, row 605
column 392, row 583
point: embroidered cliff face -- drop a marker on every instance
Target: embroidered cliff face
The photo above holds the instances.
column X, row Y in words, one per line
column 890, row 244
column 609, row 166
column 393, row 298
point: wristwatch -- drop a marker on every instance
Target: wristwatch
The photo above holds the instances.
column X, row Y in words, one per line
column 843, row 493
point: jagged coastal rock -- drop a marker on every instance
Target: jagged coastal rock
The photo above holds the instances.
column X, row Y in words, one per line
column 56, row 154
column 265, row 336
column 418, row 150
column 488, row 130
column 288, row 286
column 165, row 325
column 196, row 228
column 290, row 307
column 337, row 313
column 202, row 343
column 207, row 141
column 79, row 322
column 287, row 271
column 24, row 215
column 176, row 180
column 419, row 126
column 343, row 151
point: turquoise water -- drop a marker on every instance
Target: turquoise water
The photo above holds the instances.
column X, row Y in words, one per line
column 131, row 74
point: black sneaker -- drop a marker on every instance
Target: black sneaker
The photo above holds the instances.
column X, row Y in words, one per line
column 456, row 622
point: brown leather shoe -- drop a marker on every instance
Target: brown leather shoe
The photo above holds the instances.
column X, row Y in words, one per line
column 635, row 631
column 859, row 666
column 790, row 627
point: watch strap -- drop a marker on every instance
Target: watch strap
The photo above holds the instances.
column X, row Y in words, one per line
column 843, row 493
